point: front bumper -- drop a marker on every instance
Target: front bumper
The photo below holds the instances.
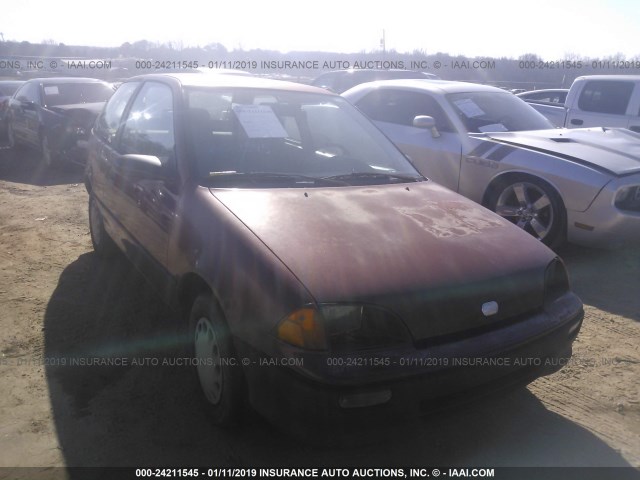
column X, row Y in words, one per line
column 603, row 225
column 70, row 144
column 427, row 380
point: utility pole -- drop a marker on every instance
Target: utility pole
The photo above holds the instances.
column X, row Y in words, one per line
column 383, row 44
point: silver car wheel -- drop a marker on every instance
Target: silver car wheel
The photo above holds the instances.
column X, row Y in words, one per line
column 207, row 356
column 529, row 207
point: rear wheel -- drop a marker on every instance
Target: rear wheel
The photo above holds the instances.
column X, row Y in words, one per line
column 103, row 245
column 532, row 205
column 218, row 370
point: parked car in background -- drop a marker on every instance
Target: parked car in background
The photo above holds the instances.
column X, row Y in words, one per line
column 294, row 236
column 7, row 89
column 545, row 95
column 341, row 80
column 598, row 101
column 55, row 116
column 582, row 185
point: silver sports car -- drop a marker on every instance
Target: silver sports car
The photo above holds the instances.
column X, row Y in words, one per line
column 580, row 185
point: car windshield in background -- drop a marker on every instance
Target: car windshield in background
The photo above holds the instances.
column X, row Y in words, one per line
column 264, row 138
column 75, row 93
column 482, row 112
column 9, row 88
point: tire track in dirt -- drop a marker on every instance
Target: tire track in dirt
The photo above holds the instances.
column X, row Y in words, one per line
column 588, row 412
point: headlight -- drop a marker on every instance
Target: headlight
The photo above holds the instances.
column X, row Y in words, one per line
column 342, row 328
column 556, row 281
column 628, row 198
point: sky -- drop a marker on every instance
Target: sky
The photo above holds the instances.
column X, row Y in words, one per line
column 552, row 29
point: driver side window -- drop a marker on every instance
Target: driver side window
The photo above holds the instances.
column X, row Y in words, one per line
column 149, row 127
column 111, row 117
column 401, row 107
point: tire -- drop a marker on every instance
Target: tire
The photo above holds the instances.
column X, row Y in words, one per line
column 217, row 368
column 49, row 158
column 534, row 206
column 102, row 243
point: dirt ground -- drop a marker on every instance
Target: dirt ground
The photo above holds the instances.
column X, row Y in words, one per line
column 58, row 300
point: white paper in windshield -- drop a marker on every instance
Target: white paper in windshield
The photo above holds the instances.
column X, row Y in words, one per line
column 53, row 90
column 469, row 108
column 259, row 121
column 494, row 127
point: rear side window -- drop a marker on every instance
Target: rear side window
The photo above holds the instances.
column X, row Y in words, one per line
column 401, row 107
column 111, row 117
column 606, row 96
column 148, row 129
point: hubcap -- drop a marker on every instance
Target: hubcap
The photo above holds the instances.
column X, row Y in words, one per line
column 208, row 359
column 528, row 206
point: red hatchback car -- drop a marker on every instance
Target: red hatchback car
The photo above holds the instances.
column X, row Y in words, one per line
column 321, row 276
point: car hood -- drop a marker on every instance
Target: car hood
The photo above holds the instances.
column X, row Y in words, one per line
column 614, row 150
column 421, row 250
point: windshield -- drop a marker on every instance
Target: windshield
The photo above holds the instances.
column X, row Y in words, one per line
column 249, row 137
column 496, row 112
column 73, row 93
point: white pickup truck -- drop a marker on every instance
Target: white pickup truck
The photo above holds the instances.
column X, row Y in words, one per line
column 598, row 101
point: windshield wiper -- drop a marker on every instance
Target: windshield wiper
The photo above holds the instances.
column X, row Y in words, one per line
column 375, row 176
column 297, row 179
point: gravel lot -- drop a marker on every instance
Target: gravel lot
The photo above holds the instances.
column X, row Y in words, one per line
column 57, row 300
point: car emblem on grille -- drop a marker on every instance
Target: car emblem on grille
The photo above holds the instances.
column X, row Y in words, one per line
column 489, row 308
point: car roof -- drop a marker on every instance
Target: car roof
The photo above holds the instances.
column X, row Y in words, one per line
column 633, row 78
column 242, row 81
column 58, row 80
column 436, row 86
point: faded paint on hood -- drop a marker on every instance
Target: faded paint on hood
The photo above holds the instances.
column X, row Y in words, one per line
column 616, row 150
column 351, row 243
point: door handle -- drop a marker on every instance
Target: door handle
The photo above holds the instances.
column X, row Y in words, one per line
column 576, row 121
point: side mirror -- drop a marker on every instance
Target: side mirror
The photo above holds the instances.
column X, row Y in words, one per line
column 28, row 105
column 148, row 166
column 426, row 122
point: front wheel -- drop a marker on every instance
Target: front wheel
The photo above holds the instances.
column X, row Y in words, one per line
column 532, row 205
column 218, row 370
column 102, row 243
